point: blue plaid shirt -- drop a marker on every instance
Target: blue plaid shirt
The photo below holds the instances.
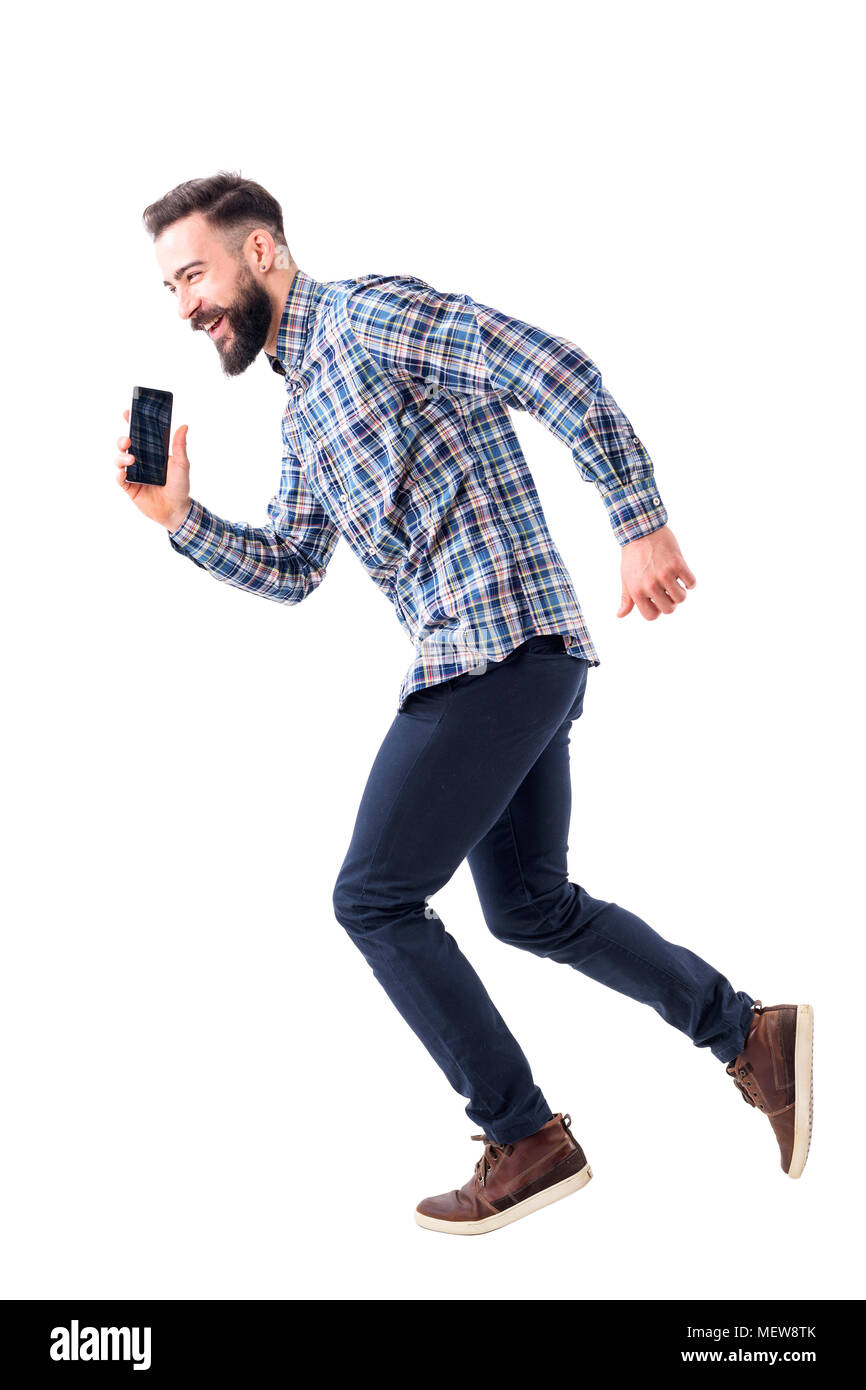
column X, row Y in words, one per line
column 396, row 436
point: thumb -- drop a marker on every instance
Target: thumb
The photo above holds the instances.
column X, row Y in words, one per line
column 178, row 446
column 626, row 605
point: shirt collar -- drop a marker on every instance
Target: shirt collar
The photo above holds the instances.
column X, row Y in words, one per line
column 295, row 323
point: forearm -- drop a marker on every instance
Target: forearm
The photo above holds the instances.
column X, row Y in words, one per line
column 246, row 557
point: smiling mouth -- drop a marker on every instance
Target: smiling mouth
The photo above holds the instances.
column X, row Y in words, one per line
column 215, row 328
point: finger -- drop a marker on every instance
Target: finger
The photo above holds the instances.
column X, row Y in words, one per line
column 126, row 415
column 646, row 608
column 626, row 605
column 662, row 599
column 178, row 444
column 124, row 442
column 667, row 595
column 122, row 462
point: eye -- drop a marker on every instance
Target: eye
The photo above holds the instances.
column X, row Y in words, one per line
column 191, row 273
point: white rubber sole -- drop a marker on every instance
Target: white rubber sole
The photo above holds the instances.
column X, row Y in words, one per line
column 504, row 1218
column 803, row 1049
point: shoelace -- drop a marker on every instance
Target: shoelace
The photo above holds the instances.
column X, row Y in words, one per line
column 493, row 1152
column 741, row 1081
column 742, row 1076
column 488, row 1160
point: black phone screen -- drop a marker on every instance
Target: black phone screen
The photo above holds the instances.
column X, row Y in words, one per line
column 150, row 435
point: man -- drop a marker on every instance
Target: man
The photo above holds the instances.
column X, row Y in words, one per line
column 396, row 436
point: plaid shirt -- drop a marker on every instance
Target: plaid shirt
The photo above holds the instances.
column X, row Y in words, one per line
column 396, row 436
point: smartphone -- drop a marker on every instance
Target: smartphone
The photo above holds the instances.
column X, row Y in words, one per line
column 150, row 435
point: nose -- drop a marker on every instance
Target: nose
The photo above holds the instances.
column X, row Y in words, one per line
column 187, row 302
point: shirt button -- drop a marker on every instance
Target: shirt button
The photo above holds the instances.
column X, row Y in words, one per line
column 344, row 497
column 634, row 439
column 656, row 501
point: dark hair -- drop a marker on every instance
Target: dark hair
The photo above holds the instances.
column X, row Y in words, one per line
column 235, row 206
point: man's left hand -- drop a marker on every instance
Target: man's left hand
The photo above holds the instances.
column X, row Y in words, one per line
column 653, row 575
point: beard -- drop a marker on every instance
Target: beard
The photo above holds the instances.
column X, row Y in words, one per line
column 249, row 322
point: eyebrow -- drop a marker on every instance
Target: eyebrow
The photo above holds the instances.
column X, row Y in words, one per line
column 179, row 272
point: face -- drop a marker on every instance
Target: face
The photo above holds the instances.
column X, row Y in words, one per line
column 216, row 292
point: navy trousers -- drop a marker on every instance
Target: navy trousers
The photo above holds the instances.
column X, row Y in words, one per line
column 477, row 768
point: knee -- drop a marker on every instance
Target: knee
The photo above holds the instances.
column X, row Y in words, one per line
column 369, row 910
column 363, row 910
column 513, row 924
column 347, row 905
column 535, row 925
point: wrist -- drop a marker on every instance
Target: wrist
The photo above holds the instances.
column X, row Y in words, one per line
column 655, row 535
column 178, row 516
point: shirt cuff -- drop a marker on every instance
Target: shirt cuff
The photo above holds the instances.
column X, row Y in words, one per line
column 635, row 511
column 197, row 532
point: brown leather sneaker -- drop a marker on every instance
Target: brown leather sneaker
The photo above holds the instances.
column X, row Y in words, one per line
column 511, row 1180
column 774, row 1073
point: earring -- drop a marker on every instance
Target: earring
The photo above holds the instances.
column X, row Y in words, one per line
column 262, row 266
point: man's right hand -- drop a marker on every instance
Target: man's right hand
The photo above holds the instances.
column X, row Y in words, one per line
column 168, row 505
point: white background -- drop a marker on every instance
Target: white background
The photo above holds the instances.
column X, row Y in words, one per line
column 205, row 1091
